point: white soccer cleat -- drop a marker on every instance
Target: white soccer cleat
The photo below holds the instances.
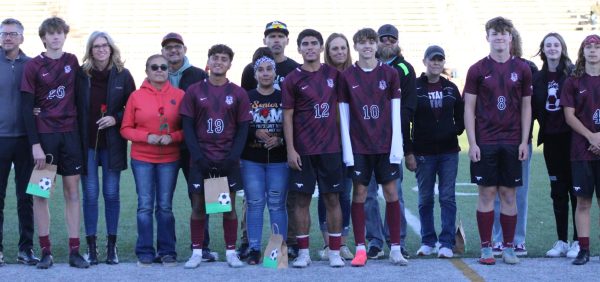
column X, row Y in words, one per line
column 233, row 260
column 336, row 260
column 397, row 258
column 302, row 261
column 573, row 250
column 559, row 249
column 193, row 262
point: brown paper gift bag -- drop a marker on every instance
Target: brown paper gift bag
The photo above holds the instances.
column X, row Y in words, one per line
column 216, row 195
column 41, row 182
column 275, row 255
column 460, row 238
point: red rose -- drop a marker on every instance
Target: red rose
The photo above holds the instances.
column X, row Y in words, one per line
column 264, row 112
column 103, row 108
column 161, row 111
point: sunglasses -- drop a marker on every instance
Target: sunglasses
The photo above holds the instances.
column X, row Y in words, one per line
column 162, row 67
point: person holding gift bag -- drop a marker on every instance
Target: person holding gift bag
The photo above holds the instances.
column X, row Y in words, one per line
column 152, row 123
column 103, row 86
column 215, row 114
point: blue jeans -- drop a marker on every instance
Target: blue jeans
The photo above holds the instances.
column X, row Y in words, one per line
column 377, row 230
column 155, row 182
column 445, row 166
column 345, row 201
column 264, row 184
column 91, row 192
column 522, row 191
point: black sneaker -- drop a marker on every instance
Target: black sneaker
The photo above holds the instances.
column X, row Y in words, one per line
column 292, row 251
column 76, row 260
column 208, row 256
column 243, row 251
column 45, row 262
column 168, row 260
column 253, row 257
column 582, row 257
column 404, row 253
column 27, row 257
column 375, row 253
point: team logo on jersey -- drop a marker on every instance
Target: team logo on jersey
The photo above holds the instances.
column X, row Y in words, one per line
column 382, row 85
column 514, row 76
column 229, row 100
column 330, row 82
column 67, row 69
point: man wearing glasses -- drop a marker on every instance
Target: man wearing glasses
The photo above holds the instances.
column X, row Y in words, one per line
column 388, row 52
column 182, row 74
column 14, row 146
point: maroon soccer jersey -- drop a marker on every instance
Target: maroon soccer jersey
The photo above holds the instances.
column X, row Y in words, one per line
column 313, row 96
column 52, row 83
column 369, row 96
column 555, row 117
column 499, row 88
column 216, row 111
column 583, row 94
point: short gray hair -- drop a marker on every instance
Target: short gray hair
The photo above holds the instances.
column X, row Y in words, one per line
column 10, row 21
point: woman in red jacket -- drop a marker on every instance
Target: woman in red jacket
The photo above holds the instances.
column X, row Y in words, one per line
column 152, row 123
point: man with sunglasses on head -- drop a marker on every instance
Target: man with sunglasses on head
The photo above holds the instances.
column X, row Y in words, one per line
column 14, row 146
column 182, row 74
column 389, row 52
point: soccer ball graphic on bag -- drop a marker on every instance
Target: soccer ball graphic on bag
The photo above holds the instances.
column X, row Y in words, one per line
column 45, row 183
column 224, row 199
column 273, row 255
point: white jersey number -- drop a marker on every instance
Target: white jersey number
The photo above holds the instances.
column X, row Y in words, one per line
column 501, row 103
column 597, row 116
column 321, row 110
column 57, row 93
column 215, row 126
column 371, row 112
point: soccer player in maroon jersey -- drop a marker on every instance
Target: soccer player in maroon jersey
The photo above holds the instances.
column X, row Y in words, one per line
column 215, row 114
column 497, row 120
column 310, row 95
column 580, row 98
column 49, row 84
column 370, row 106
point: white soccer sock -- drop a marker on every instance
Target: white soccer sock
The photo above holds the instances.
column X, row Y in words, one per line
column 361, row 248
column 227, row 252
column 197, row 252
column 395, row 248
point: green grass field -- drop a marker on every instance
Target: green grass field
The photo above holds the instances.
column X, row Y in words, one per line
column 541, row 232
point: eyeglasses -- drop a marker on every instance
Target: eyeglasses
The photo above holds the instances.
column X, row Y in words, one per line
column 162, row 67
column 388, row 39
column 9, row 34
column 101, row 46
column 177, row 47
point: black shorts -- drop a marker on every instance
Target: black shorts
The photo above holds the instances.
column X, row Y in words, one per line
column 586, row 178
column 196, row 180
column 326, row 170
column 66, row 150
column 365, row 165
column 499, row 166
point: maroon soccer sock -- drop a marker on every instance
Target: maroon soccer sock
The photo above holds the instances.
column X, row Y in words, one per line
column 74, row 245
column 358, row 223
column 45, row 245
column 230, row 232
column 335, row 241
column 303, row 241
column 508, row 223
column 197, row 233
column 584, row 243
column 485, row 222
column 392, row 216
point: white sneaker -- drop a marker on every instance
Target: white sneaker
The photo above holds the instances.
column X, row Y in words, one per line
column 497, row 249
column 445, row 253
column 324, row 253
column 397, row 258
column 302, row 261
column 346, row 253
column 559, row 249
column 193, row 262
column 233, row 260
column 573, row 250
column 335, row 260
column 425, row 250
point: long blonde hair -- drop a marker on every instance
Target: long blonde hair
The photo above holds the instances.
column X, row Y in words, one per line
column 115, row 53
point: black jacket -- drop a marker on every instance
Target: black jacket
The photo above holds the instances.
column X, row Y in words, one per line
column 120, row 86
column 409, row 100
column 540, row 94
column 190, row 76
column 432, row 136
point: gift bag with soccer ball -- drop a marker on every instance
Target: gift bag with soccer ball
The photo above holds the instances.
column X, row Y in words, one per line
column 461, row 241
column 41, row 181
column 275, row 255
column 216, row 195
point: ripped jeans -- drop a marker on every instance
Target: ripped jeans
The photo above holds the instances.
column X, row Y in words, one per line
column 264, row 184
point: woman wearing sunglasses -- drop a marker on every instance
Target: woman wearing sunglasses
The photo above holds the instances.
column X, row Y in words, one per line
column 153, row 125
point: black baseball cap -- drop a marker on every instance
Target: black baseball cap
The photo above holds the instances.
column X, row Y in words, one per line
column 387, row 30
column 433, row 51
column 172, row 36
column 276, row 26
